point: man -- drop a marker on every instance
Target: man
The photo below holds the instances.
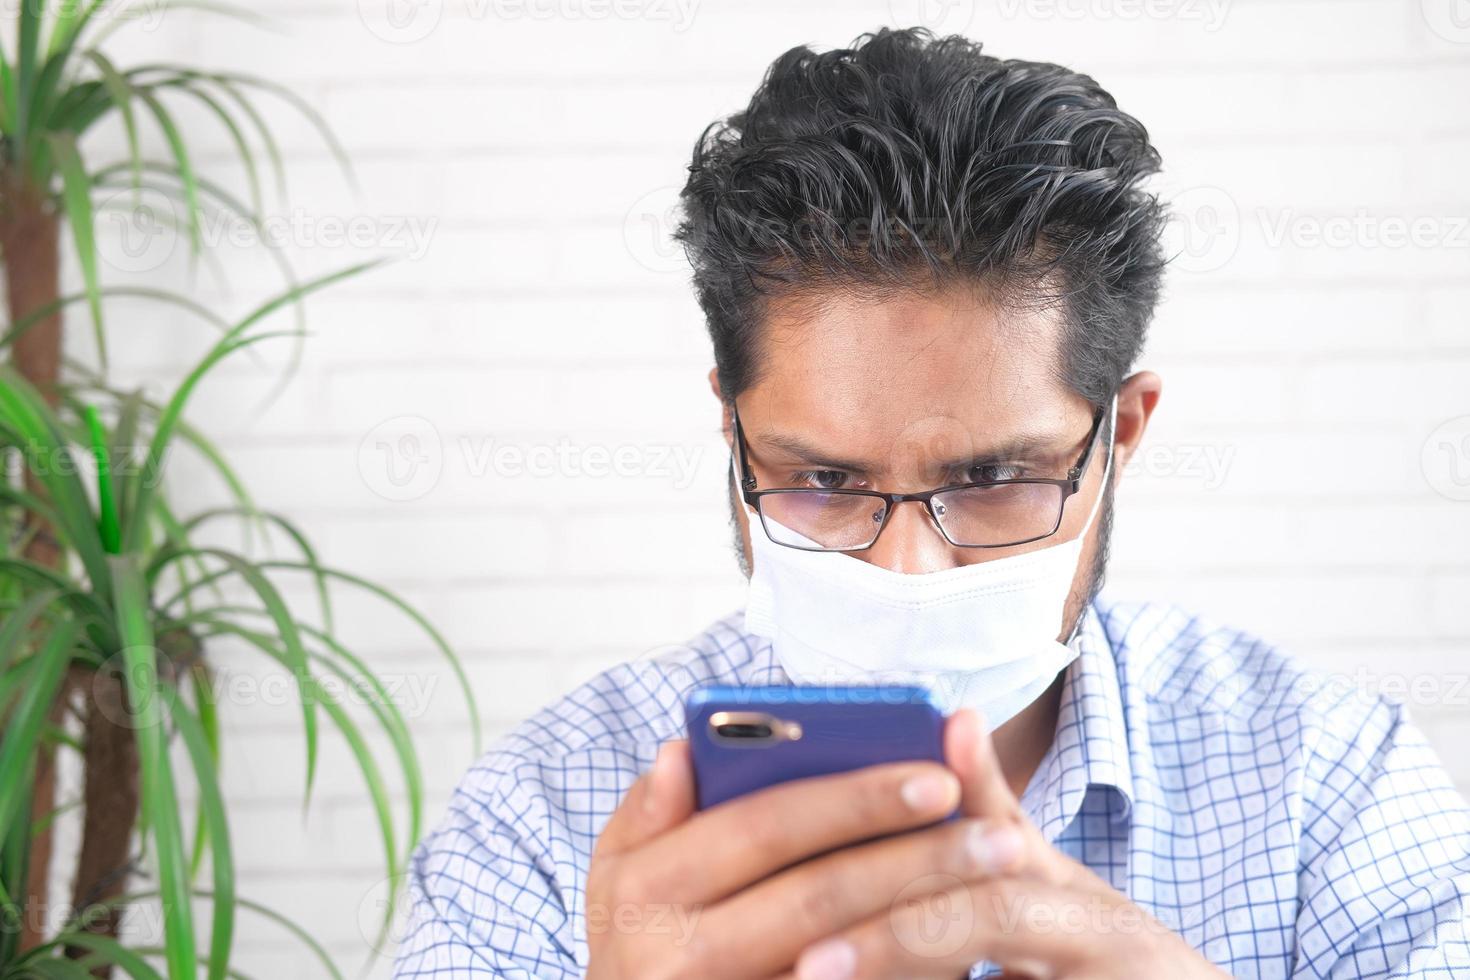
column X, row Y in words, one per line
column 927, row 269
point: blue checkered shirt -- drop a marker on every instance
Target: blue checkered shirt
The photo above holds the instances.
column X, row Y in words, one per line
column 1284, row 823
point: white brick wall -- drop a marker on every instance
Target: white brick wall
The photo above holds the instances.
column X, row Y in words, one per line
column 508, row 164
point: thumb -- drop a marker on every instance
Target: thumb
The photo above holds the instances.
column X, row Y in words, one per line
column 661, row 799
column 969, row 751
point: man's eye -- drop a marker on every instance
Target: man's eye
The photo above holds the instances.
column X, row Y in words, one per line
column 988, row 472
column 821, row 479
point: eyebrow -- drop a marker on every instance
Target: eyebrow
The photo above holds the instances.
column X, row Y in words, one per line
column 1022, row 447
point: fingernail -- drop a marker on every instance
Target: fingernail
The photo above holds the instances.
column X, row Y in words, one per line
column 990, row 847
column 930, row 792
column 831, row 959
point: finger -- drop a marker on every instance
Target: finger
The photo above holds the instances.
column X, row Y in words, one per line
column 725, row 848
column 661, row 798
column 1028, row 928
column 969, row 751
column 771, row 922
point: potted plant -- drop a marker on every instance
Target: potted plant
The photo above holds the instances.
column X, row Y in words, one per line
column 110, row 608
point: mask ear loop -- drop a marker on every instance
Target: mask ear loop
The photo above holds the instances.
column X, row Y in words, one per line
column 738, row 491
column 1097, row 504
column 1107, row 469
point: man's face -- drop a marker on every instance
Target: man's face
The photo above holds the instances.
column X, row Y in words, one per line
column 913, row 392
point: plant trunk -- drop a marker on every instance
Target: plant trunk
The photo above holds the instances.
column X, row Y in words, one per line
column 30, row 237
column 111, row 764
column 29, row 240
column 29, row 245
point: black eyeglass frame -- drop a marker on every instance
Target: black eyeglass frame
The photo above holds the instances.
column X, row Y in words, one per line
column 1070, row 486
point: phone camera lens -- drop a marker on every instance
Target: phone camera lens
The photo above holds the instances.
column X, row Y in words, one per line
column 744, row 730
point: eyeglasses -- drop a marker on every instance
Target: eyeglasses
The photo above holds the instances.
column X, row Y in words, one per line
column 989, row 514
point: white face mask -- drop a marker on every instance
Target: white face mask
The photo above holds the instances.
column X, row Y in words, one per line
column 981, row 636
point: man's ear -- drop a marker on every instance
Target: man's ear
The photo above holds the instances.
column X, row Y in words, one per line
column 1137, row 397
column 726, row 422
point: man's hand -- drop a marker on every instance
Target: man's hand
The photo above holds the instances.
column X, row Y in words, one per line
column 741, row 890
column 1042, row 915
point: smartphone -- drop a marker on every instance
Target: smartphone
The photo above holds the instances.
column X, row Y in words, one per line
column 747, row 738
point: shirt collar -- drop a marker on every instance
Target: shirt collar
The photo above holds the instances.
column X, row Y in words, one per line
column 1090, row 752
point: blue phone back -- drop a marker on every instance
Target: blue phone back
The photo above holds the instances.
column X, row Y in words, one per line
column 842, row 728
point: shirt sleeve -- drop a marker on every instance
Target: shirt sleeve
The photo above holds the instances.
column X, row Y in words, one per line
column 1385, row 882
column 484, row 901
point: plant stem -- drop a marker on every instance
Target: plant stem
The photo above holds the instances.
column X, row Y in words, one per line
column 29, row 248
column 29, row 252
column 110, row 761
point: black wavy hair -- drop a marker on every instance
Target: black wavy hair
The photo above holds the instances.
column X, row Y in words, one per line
column 913, row 162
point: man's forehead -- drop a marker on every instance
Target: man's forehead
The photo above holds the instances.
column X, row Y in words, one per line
column 935, row 346
column 869, row 378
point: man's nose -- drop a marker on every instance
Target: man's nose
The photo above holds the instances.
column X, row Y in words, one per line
column 911, row 543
